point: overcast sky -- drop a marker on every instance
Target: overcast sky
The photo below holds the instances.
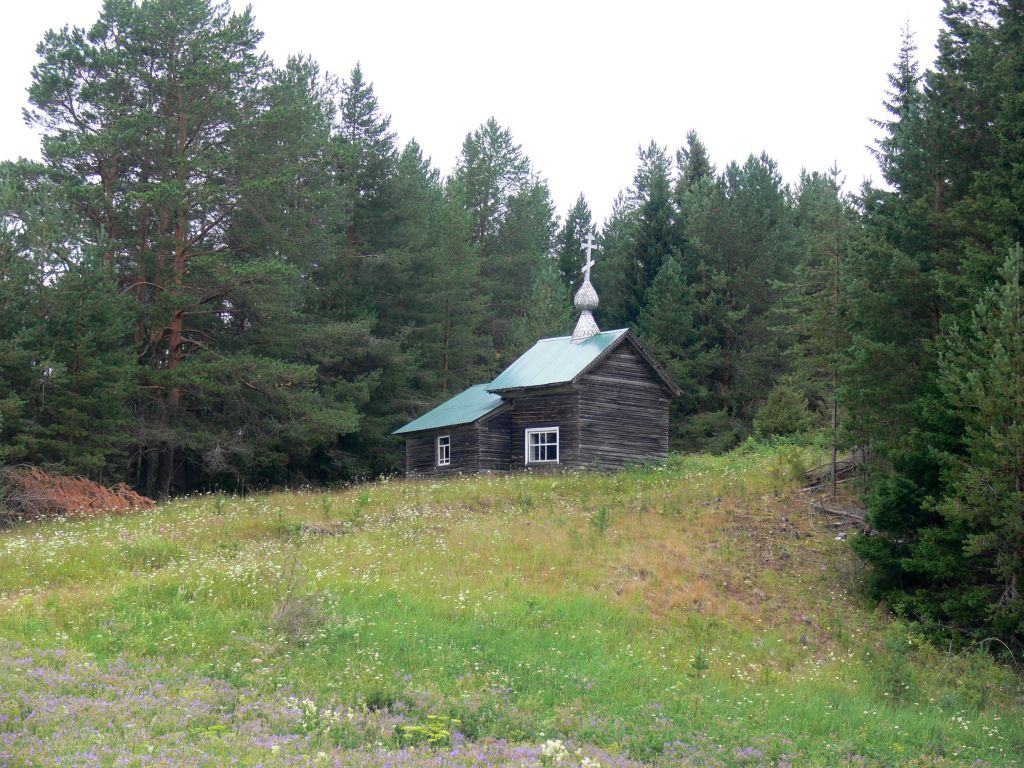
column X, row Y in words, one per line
column 580, row 84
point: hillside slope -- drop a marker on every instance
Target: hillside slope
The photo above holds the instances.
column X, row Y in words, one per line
column 692, row 613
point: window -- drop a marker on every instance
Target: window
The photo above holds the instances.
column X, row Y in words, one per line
column 444, row 450
column 542, row 445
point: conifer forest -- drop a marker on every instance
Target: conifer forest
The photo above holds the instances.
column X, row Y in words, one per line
column 226, row 274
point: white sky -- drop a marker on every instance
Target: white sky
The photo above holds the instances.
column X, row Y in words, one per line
column 580, row 84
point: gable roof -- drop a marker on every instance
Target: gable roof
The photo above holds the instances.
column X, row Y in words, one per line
column 559, row 361
column 554, row 361
column 546, row 363
column 465, row 408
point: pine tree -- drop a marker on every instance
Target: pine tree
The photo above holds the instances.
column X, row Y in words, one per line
column 156, row 122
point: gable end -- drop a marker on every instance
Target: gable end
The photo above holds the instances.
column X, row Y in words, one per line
column 653, row 365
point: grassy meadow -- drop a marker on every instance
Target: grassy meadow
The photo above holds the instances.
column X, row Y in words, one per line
column 691, row 613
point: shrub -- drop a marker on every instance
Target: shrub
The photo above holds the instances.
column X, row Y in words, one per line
column 789, row 462
column 784, row 413
column 300, row 617
column 379, row 698
column 715, row 432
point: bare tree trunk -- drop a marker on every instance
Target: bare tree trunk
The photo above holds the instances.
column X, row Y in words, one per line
column 166, row 473
column 108, row 174
column 837, row 295
column 447, row 338
column 835, row 433
column 179, row 266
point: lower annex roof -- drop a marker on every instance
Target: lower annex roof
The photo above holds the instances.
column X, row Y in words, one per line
column 465, row 408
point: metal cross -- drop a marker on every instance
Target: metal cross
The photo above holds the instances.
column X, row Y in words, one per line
column 589, row 246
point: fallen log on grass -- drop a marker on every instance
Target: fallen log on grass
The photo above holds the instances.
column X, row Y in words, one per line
column 852, row 516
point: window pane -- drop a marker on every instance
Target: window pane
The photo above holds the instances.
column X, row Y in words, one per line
column 542, row 446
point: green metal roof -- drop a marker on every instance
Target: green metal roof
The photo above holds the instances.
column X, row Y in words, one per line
column 554, row 361
column 465, row 408
column 549, row 361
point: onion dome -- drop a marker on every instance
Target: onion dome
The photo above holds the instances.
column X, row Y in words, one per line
column 586, row 300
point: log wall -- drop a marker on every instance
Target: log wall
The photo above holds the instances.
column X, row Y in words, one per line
column 421, row 452
column 557, row 409
column 623, row 412
column 495, row 446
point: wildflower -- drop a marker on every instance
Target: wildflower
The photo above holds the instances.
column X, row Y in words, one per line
column 553, row 752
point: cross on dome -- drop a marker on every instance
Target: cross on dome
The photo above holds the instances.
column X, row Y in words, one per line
column 589, row 246
column 586, row 299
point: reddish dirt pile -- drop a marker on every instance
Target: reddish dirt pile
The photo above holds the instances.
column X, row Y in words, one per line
column 29, row 493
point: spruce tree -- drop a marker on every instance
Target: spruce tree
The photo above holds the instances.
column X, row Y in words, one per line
column 667, row 326
column 811, row 308
column 491, row 171
column 930, row 379
column 549, row 311
column 740, row 241
column 656, row 236
column 612, row 280
column 569, row 242
column 23, row 280
column 693, row 165
column 981, row 375
column 892, row 276
column 66, row 370
column 427, row 291
column 899, row 150
column 365, row 154
column 512, row 222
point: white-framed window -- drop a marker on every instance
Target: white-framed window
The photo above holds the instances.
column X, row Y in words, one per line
column 444, row 450
column 542, row 445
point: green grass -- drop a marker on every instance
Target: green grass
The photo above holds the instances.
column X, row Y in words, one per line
column 694, row 602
